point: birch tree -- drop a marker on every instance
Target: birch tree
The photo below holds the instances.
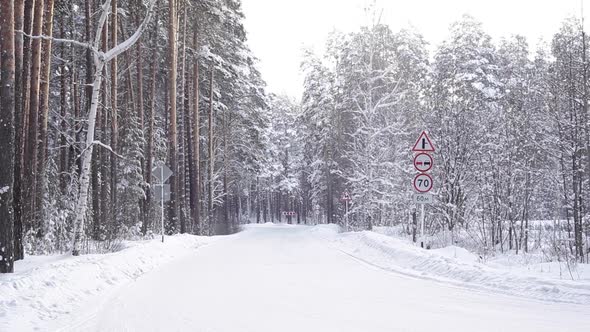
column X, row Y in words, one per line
column 100, row 60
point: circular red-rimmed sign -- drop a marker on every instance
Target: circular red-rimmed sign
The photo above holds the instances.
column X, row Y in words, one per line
column 423, row 162
column 423, row 183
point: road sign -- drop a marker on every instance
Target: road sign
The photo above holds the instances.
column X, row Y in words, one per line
column 162, row 194
column 423, row 144
column 289, row 213
column 162, row 172
column 423, row 183
column 345, row 197
column 423, row 162
column 425, row 198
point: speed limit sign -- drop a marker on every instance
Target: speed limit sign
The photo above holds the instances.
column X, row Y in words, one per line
column 423, row 183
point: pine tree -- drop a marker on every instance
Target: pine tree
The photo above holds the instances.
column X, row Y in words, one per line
column 7, row 108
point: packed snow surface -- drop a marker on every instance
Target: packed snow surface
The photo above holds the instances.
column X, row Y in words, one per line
column 286, row 278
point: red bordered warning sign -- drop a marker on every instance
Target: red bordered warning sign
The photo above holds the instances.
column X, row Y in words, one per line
column 423, row 183
column 345, row 197
column 423, row 144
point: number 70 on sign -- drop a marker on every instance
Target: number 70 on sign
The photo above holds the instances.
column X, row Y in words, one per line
column 423, row 183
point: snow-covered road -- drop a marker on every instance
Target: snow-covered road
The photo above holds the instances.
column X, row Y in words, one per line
column 288, row 278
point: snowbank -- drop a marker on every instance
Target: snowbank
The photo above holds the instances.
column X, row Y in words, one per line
column 455, row 266
column 458, row 253
column 44, row 288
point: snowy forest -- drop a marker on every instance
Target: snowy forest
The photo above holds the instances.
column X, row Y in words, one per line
column 95, row 94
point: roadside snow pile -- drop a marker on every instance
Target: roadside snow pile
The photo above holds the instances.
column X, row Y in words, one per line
column 455, row 266
column 44, row 288
column 536, row 264
column 457, row 253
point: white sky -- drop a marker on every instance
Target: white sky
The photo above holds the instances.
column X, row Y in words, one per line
column 279, row 29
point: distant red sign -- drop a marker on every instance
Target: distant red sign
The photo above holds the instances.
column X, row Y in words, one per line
column 289, row 213
column 345, row 196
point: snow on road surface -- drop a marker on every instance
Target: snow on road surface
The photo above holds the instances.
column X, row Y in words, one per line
column 297, row 278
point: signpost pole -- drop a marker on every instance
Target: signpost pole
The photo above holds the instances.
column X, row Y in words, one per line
column 162, row 201
column 346, row 216
column 423, row 181
column 422, row 227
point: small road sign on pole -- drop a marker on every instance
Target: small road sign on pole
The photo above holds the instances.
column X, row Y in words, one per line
column 162, row 191
column 423, row 198
column 162, row 172
column 346, row 198
column 423, row 162
column 423, row 183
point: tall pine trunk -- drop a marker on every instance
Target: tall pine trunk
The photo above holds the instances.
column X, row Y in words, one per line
column 172, row 138
column 7, row 96
column 114, row 121
column 140, row 110
column 150, row 131
column 183, row 124
column 63, row 122
column 44, row 113
column 33, row 125
column 211, row 157
column 195, row 183
column 19, row 120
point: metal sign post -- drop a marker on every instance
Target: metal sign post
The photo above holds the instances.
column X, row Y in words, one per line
column 162, row 173
column 423, row 182
column 162, row 204
column 346, row 215
column 346, row 198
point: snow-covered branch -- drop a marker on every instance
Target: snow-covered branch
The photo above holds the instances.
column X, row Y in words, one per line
column 65, row 41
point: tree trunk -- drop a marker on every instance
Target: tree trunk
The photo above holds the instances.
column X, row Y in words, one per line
column 211, row 156
column 580, row 228
column 21, row 52
column 226, row 200
column 150, row 134
column 7, row 104
column 103, row 119
column 82, row 202
column 44, row 113
column 63, row 123
column 84, row 179
column 33, row 125
column 183, row 123
column 114, row 121
column 140, row 110
column 195, row 190
column 172, row 138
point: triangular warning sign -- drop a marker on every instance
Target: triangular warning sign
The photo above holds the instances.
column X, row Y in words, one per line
column 345, row 196
column 423, row 144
